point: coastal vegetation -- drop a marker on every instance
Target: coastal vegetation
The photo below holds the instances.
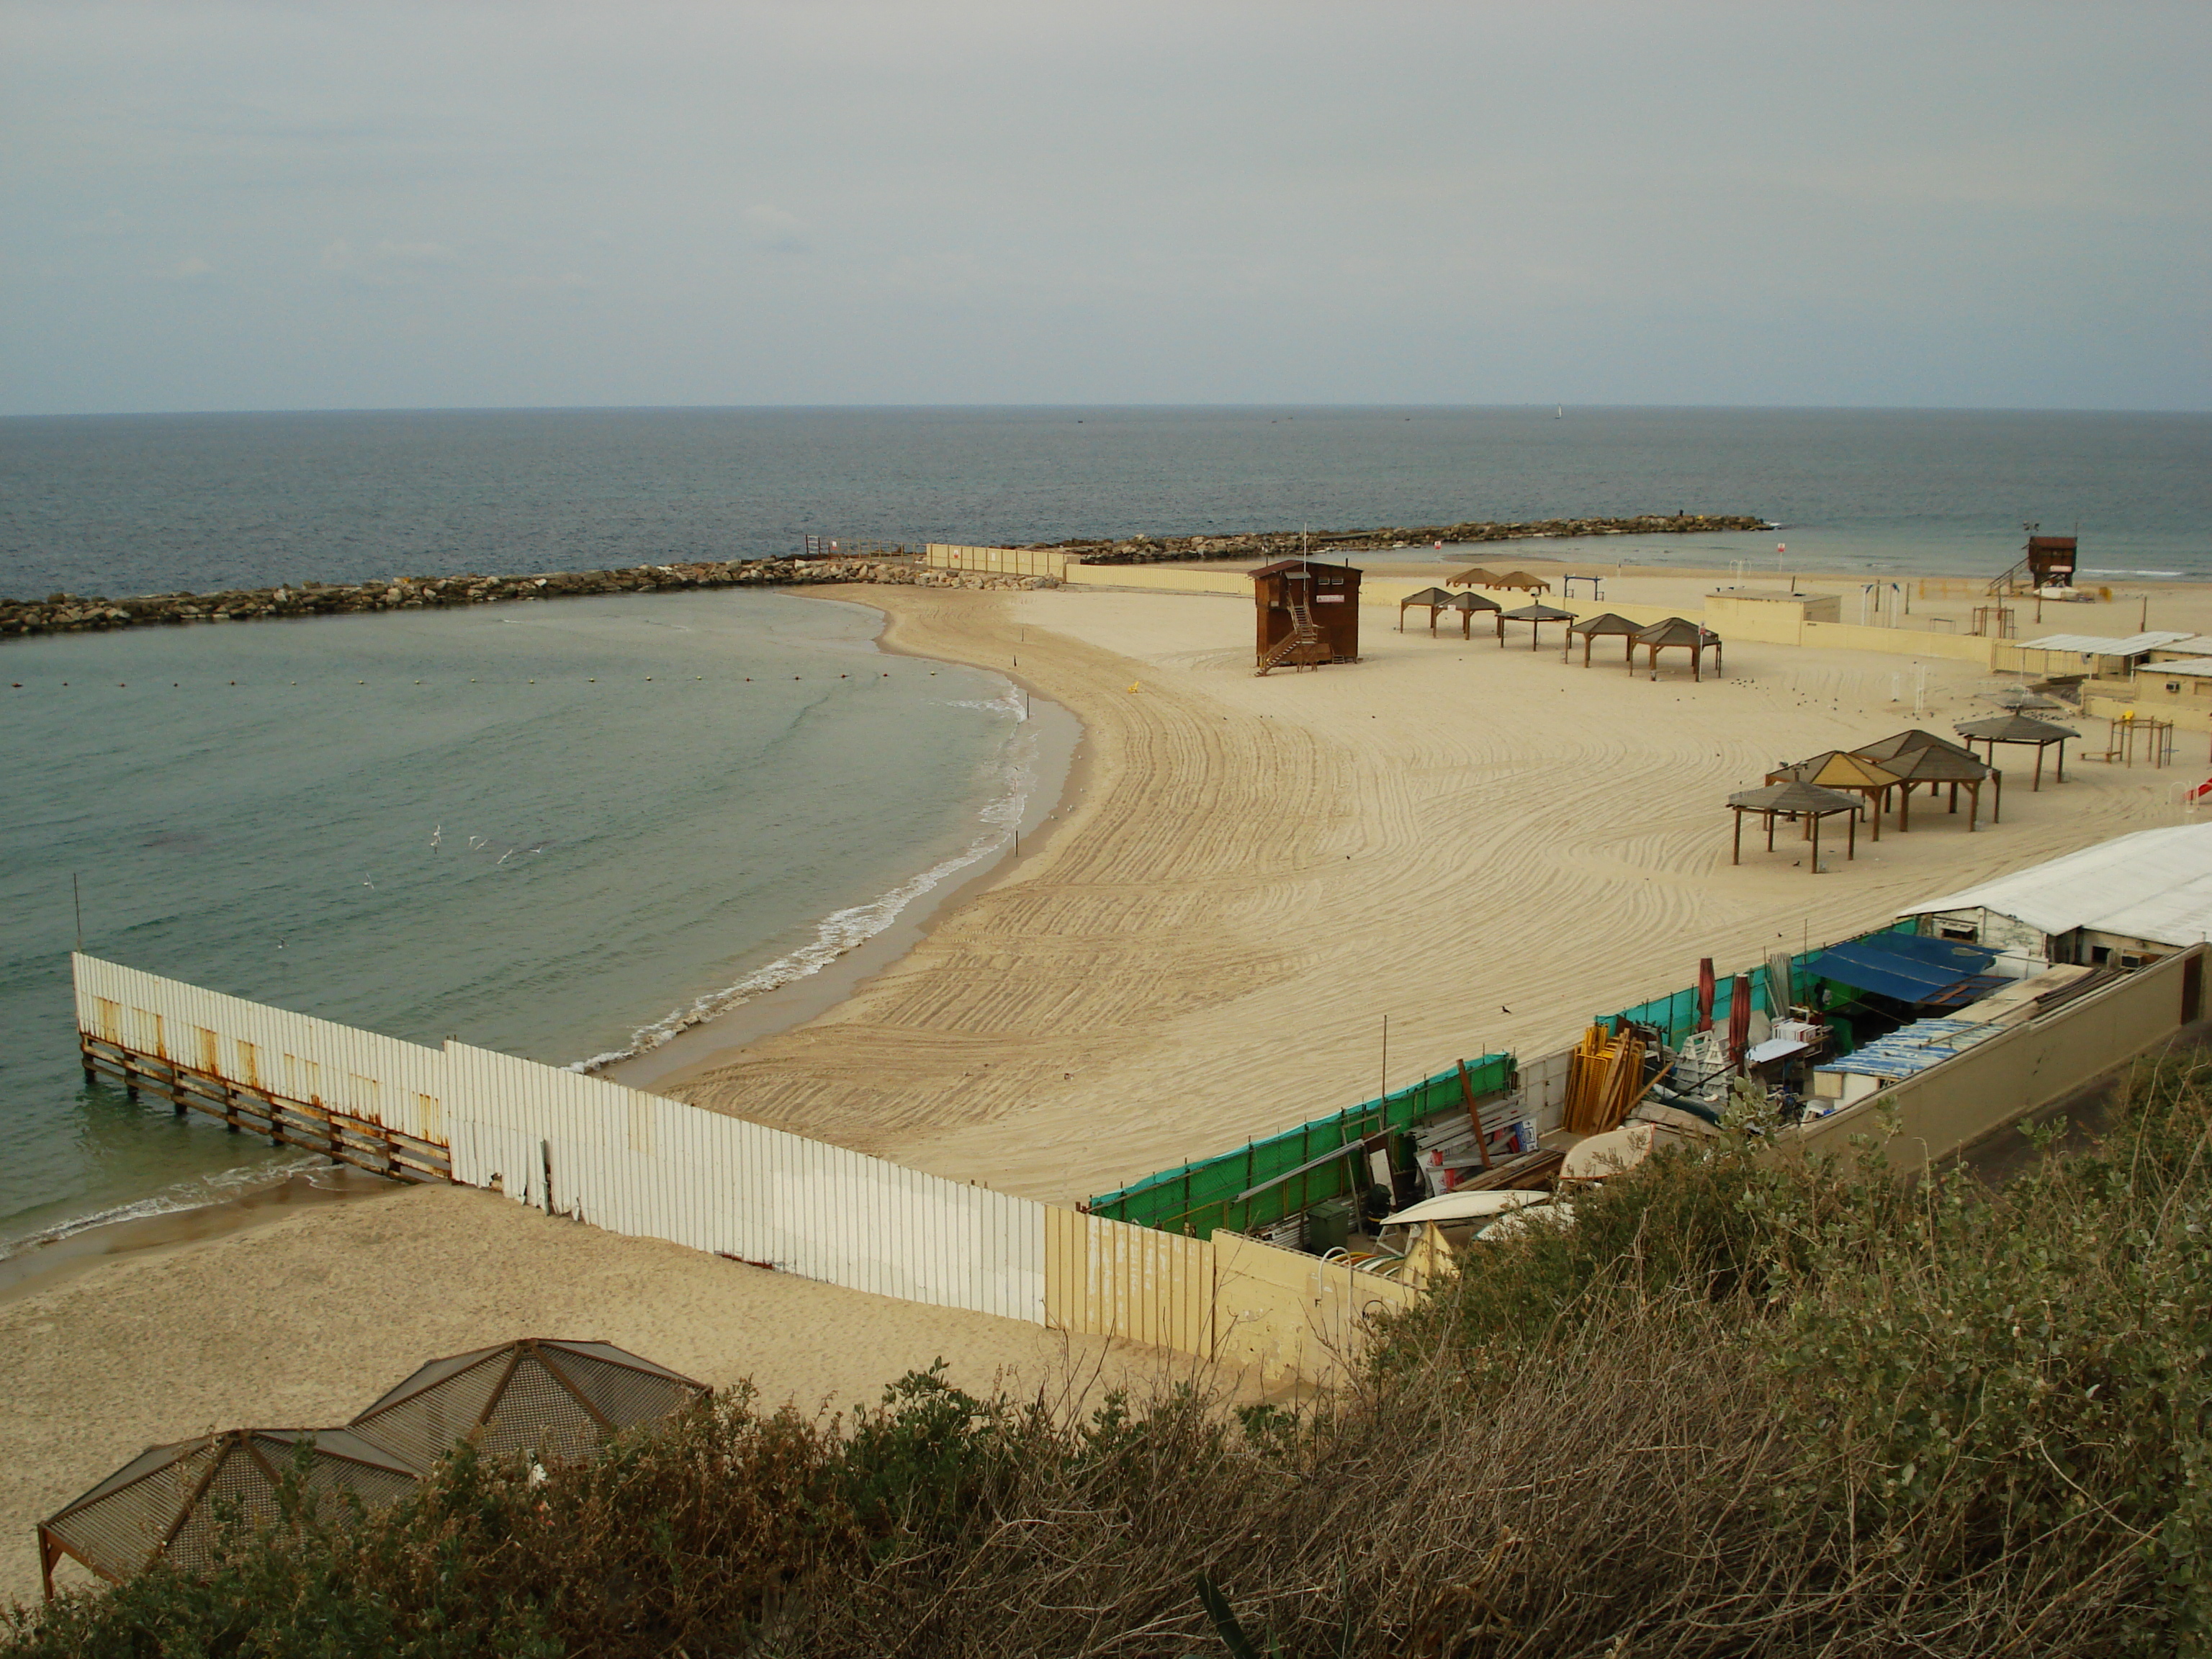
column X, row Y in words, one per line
column 1744, row 1406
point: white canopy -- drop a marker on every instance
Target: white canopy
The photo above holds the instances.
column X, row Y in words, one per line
column 2155, row 885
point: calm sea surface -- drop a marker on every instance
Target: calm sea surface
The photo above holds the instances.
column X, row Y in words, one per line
column 542, row 828
column 546, row 827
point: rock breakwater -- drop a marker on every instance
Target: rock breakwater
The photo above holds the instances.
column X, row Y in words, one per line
column 70, row 613
column 1281, row 543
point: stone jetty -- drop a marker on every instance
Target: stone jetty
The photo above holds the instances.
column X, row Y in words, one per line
column 1282, row 543
column 68, row 613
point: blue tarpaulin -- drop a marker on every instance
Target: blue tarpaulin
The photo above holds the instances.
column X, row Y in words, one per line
column 1906, row 966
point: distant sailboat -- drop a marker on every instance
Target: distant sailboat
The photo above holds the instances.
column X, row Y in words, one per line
column 1559, row 412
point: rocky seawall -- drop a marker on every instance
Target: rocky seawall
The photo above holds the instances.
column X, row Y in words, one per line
column 69, row 613
column 1282, row 543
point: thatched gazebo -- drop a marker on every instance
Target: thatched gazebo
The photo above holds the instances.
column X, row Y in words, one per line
column 1435, row 598
column 1536, row 616
column 1474, row 577
column 1590, row 627
column 1679, row 631
column 555, row 1398
column 2021, row 729
column 1523, row 579
column 1466, row 604
column 1853, row 775
column 174, row 1502
column 1795, row 800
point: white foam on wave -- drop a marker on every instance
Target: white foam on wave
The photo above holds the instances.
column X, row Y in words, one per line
column 194, row 1194
column 840, row 931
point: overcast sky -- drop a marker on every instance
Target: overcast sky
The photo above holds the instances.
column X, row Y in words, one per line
column 363, row 204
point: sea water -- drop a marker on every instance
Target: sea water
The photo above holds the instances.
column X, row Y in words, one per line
column 559, row 829
column 564, row 828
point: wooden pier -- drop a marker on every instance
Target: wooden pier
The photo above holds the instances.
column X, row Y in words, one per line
column 308, row 1124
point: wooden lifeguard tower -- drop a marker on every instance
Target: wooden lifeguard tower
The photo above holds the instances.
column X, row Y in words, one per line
column 1308, row 613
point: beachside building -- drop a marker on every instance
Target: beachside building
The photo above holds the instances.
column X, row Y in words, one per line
column 2121, row 903
column 1308, row 613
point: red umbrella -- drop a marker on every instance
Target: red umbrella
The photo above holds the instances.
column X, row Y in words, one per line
column 1705, row 995
column 1739, row 1018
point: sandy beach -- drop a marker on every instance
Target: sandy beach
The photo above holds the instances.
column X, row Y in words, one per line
column 1486, row 846
column 1199, row 944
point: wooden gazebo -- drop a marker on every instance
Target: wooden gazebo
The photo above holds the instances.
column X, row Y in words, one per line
column 2021, row 729
column 1523, row 579
column 1467, row 604
column 1850, row 774
column 1936, row 764
column 1475, row 577
column 1679, row 631
column 1793, row 801
column 1590, row 627
column 1536, row 616
column 1435, row 598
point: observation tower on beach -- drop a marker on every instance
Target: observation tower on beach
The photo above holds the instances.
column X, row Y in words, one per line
column 1308, row 613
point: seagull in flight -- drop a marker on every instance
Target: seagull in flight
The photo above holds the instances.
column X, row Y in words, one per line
column 366, row 882
column 437, row 835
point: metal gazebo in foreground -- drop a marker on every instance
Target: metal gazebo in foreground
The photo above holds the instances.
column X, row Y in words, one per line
column 172, row 1502
column 555, row 1399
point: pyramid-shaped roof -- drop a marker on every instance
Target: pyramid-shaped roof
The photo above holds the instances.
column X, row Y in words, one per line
column 555, row 1398
column 1435, row 596
column 1795, row 796
column 1937, row 763
column 1604, row 623
column 1886, row 749
column 1676, row 630
column 1476, row 577
column 2013, row 728
column 2018, row 696
column 1838, row 769
column 174, row 1501
column 1538, row 613
column 1473, row 602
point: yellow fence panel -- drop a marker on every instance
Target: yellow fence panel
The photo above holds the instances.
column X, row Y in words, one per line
column 1106, row 1277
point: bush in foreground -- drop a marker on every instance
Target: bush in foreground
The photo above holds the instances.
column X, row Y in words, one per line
column 1744, row 1406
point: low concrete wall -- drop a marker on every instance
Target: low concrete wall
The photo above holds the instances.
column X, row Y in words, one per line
column 1904, row 642
column 1948, row 1108
column 1280, row 1313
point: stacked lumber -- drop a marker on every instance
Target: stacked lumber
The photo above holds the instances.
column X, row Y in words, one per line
column 1605, row 1075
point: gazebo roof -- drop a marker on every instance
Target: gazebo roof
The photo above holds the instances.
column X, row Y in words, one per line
column 1676, row 630
column 1473, row 602
column 1839, row 769
column 1937, row 763
column 2013, row 728
column 1476, row 577
column 555, row 1397
column 1435, row 596
column 1606, row 623
column 2018, row 696
column 1795, row 796
column 1885, row 750
column 1538, row 613
column 1520, row 579
column 169, row 1500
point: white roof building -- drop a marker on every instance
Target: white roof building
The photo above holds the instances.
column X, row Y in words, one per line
column 2150, row 889
column 2100, row 645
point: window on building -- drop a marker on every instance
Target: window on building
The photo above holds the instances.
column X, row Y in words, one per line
column 1962, row 932
column 2099, row 954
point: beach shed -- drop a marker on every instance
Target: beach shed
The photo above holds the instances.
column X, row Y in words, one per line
column 1793, row 801
column 1679, row 632
column 1852, row 773
column 2018, row 729
column 1536, row 616
column 1308, row 613
column 1590, row 627
column 2120, row 903
column 1467, row 604
column 1434, row 597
